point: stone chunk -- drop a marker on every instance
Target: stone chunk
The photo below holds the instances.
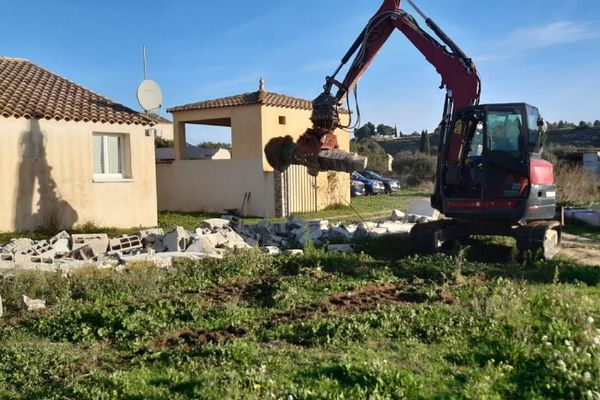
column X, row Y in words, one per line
column 294, row 252
column 151, row 235
column 177, row 240
column 20, row 245
column 33, row 304
column 341, row 248
column 397, row 215
column 97, row 241
column 124, row 244
column 215, row 223
column 423, row 207
column 85, row 252
column 272, row 250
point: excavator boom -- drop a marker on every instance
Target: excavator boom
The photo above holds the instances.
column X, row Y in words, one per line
column 459, row 77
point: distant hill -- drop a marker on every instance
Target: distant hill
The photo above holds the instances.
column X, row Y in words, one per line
column 582, row 138
column 408, row 143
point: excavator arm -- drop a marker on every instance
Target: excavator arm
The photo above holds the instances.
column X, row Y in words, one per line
column 319, row 144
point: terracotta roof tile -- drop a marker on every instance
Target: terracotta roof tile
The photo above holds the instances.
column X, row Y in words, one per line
column 30, row 91
column 244, row 99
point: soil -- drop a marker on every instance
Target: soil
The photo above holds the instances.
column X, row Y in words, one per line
column 365, row 299
column 580, row 249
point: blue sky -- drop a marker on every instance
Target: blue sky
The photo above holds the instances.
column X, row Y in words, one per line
column 544, row 52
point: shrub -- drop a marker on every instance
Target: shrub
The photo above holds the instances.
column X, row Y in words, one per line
column 377, row 158
column 414, row 169
column 575, row 187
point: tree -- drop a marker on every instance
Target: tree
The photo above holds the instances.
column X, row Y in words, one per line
column 425, row 145
column 377, row 158
column 597, row 123
column 385, row 130
column 364, row 132
column 583, row 124
column 215, row 145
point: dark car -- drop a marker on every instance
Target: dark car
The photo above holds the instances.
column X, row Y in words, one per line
column 391, row 185
column 357, row 188
column 371, row 186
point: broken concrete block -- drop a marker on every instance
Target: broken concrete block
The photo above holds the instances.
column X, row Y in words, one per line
column 294, row 252
column 422, row 219
column 151, row 235
column 423, row 207
column 396, row 226
column 295, row 222
column 364, row 228
column 205, row 243
column 124, row 244
column 341, row 248
column 377, row 232
column 98, row 241
column 397, row 215
column 272, row 250
column 339, row 232
column 231, row 240
column 215, row 223
column 29, row 261
column 84, row 252
column 159, row 246
column 60, row 235
column 177, row 240
column 19, row 245
column 33, row 304
column 7, row 257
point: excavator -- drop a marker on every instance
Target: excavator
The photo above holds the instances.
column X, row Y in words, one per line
column 490, row 176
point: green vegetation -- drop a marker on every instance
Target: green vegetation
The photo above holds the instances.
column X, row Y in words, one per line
column 319, row 325
column 425, row 144
column 377, row 158
column 414, row 169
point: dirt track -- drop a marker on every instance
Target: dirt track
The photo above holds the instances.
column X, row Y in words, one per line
column 580, row 249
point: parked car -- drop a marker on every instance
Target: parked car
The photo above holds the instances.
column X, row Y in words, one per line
column 391, row 185
column 357, row 188
column 371, row 186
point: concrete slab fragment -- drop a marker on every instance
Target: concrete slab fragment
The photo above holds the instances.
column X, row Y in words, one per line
column 177, row 240
column 397, row 215
column 33, row 304
column 215, row 223
column 423, row 207
column 341, row 248
column 97, row 241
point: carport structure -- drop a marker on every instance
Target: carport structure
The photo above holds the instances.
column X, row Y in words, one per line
column 247, row 182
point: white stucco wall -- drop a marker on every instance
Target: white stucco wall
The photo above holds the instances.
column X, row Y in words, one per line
column 46, row 176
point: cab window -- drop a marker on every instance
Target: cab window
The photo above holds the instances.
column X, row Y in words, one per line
column 503, row 131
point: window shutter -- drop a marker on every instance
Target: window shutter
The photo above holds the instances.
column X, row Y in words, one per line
column 113, row 149
column 98, row 155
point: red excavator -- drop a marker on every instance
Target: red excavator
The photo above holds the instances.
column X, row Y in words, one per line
column 490, row 177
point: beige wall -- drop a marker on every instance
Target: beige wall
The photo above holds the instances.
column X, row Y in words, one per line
column 165, row 130
column 245, row 124
column 46, row 176
column 193, row 186
column 215, row 185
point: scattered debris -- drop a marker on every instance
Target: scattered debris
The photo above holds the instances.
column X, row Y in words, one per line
column 211, row 239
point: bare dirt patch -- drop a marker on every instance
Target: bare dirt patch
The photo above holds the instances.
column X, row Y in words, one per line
column 365, row 299
column 581, row 249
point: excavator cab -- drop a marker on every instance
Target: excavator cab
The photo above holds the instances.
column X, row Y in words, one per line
column 496, row 173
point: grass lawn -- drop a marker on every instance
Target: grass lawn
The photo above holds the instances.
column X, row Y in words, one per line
column 361, row 207
column 316, row 326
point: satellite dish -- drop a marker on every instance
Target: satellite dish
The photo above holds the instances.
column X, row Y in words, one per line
column 149, row 95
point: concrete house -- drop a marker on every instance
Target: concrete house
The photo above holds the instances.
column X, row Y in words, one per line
column 246, row 182
column 70, row 156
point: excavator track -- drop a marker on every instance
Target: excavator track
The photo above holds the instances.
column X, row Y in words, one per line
column 539, row 235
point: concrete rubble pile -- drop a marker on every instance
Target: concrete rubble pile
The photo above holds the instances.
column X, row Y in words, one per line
column 212, row 239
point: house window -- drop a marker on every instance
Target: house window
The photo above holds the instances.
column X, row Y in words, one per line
column 282, row 120
column 110, row 156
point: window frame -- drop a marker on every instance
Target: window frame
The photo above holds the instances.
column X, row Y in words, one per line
column 124, row 175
